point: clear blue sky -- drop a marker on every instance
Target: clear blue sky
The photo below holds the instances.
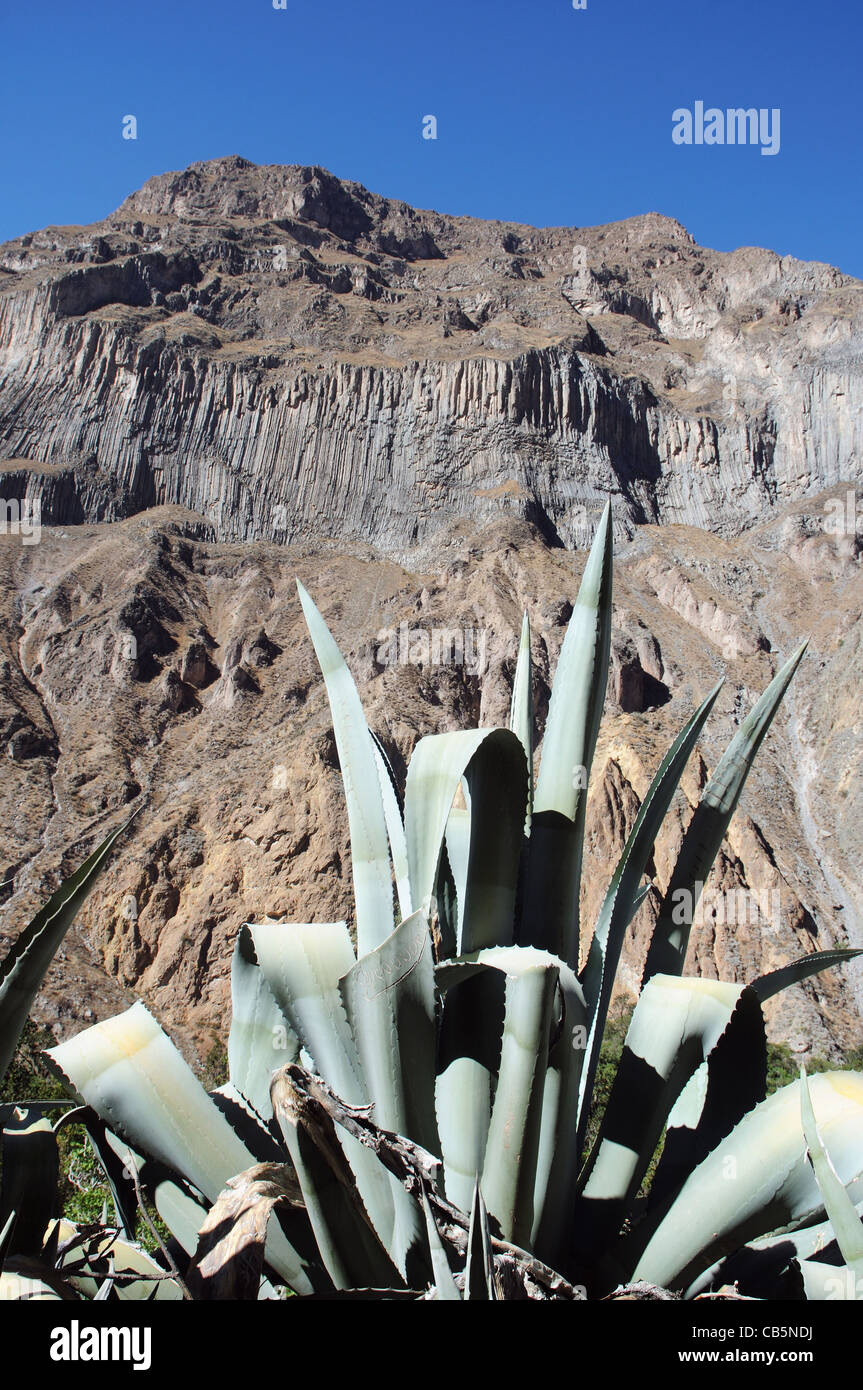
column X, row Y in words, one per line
column 545, row 114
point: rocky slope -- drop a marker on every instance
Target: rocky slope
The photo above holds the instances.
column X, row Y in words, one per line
column 247, row 374
column 138, row 657
column 284, row 352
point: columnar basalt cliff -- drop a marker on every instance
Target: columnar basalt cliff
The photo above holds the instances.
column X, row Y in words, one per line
column 281, row 351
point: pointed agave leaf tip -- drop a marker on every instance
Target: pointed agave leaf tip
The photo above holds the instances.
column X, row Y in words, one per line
column 553, row 867
column 709, row 823
column 521, row 704
column 370, row 853
column 479, row 1281
column 23, row 967
column 445, row 1286
column 578, row 688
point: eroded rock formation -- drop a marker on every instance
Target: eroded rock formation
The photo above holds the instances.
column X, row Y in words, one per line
column 282, row 351
column 140, row 659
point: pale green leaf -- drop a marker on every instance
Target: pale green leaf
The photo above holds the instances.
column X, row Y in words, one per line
column 370, row 859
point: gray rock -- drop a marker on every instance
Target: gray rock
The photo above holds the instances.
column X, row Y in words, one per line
column 358, row 369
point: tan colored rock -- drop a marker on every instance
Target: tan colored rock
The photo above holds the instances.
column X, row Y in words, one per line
column 245, row 812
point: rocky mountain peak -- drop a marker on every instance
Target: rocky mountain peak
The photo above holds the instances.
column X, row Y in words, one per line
column 282, row 349
column 233, row 187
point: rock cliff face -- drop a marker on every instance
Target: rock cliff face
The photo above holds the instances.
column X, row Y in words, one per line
column 137, row 657
column 281, row 351
column 247, row 374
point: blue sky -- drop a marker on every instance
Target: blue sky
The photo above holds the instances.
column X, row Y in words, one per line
column 546, row 114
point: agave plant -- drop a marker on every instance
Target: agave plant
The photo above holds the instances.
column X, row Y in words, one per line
column 413, row 1106
column 42, row 1257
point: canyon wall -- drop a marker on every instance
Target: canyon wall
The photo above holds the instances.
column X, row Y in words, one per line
column 286, row 353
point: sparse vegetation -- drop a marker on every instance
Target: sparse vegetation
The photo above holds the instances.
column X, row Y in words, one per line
column 468, row 1119
column 83, row 1189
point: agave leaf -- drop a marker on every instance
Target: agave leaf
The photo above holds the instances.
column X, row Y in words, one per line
column 549, row 873
column 578, row 691
column 545, row 1158
column 521, row 705
column 767, row 1268
column 51, row 1243
column 827, row 1283
column 558, row 1159
column 469, row 1058
column 468, row 1062
column 624, row 884
column 708, row 825
column 512, row 1147
column 457, row 841
column 756, row 1181
column 131, row 1074
column 261, row 1039
column 181, row 1206
column 617, row 908
column 247, row 1124
column 346, row 1238
column 182, row 1212
column 768, row 985
column 445, row 1286
column 24, row 965
column 730, row 1082
column 492, row 763
column 479, row 1281
column 838, row 1205
column 31, row 1167
column 395, row 827
column 27, row 1281
column 91, row 1262
column 724, row 1087
column 390, row 1003
column 758, row 1265
column 464, row 1089
column 675, row 1025
column 304, row 966
column 370, row 860
column 550, row 915
column 732, row 1079
column 510, row 1153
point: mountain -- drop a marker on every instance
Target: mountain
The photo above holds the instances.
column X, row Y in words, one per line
column 250, row 374
column 283, row 351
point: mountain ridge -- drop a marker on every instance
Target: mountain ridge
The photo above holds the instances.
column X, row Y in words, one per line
column 309, row 355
